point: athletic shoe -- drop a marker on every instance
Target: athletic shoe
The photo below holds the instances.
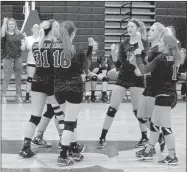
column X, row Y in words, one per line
column 4, row 101
column 169, row 161
column 77, row 156
column 78, row 149
column 93, row 98
column 27, row 153
column 39, row 141
column 162, row 142
column 145, row 156
column 65, row 161
column 101, row 143
column 19, row 99
column 87, row 99
column 142, row 142
column 104, row 98
column 59, row 145
column 139, row 153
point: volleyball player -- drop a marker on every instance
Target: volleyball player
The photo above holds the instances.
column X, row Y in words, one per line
column 42, row 85
column 97, row 71
column 69, row 63
column 147, row 99
column 30, row 58
column 164, row 76
column 129, row 77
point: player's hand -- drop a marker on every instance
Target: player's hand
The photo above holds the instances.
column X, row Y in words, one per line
column 113, row 47
column 137, row 51
column 132, row 60
column 90, row 41
column 41, row 33
column 25, row 35
column 137, row 72
column 5, row 20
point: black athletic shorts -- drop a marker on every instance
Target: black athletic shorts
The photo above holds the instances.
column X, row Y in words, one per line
column 138, row 82
column 70, row 96
column 149, row 91
column 168, row 98
column 43, row 84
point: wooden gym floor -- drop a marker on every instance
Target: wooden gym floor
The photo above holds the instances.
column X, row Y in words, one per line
column 118, row 156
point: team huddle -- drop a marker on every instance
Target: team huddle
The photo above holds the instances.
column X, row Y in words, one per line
column 146, row 64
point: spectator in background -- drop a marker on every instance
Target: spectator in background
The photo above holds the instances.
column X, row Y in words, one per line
column 182, row 69
column 112, row 71
column 14, row 43
column 30, row 59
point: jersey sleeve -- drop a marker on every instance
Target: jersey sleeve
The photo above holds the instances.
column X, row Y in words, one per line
column 148, row 67
column 121, row 55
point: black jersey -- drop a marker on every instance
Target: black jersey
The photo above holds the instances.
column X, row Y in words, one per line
column 151, row 54
column 67, row 72
column 43, row 58
column 96, row 60
column 126, row 51
column 163, row 71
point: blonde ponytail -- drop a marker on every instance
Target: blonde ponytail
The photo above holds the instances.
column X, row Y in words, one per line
column 143, row 30
column 69, row 50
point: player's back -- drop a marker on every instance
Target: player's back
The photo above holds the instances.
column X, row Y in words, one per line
column 165, row 73
column 43, row 58
column 63, row 66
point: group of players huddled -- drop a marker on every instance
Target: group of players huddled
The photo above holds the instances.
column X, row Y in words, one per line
column 146, row 64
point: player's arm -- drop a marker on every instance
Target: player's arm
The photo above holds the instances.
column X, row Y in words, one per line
column 148, row 67
column 90, row 46
column 120, row 57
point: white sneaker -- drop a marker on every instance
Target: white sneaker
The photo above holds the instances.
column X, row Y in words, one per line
column 19, row 99
column 4, row 101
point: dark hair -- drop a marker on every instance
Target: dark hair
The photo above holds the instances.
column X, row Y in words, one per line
column 66, row 30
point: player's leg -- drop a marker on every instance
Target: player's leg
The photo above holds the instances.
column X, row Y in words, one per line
column 136, row 97
column 87, row 88
column 30, row 73
column 104, row 97
column 94, row 79
column 117, row 95
column 38, row 102
column 72, row 109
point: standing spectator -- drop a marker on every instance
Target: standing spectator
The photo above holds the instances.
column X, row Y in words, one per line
column 182, row 69
column 13, row 42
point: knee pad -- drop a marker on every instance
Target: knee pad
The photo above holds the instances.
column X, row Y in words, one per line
column 94, row 78
column 58, row 113
column 105, row 79
column 69, row 125
column 135, row 113
column 35, row 120
column 154, row 128
column 87, row 79
column 111, row 112
column 49, row 113
column 29, row 79
column 166, row 131
column 143, row 120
